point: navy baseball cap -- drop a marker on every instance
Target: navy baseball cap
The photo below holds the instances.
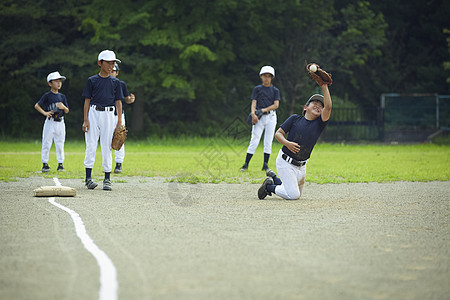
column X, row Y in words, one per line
column 315, row 97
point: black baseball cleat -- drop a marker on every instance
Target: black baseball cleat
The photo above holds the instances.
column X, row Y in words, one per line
column 244, row 167
column 107, row 185
column 60, row 168
column 45, row 168
column 91, row 184
column 262, row 191
column 270, row 173
column 265, row 167
column 118, row 168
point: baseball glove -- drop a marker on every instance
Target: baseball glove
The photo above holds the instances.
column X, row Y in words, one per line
column 320, row 76
column 258, row 113
column 119, row 137
column 57, row 114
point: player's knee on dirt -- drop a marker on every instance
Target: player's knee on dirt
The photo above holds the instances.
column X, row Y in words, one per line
column 294, row 195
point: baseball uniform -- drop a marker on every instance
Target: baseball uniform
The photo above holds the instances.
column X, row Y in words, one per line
column 103, row 93
column 266, row 95
column 54, row 129
column 291, row 167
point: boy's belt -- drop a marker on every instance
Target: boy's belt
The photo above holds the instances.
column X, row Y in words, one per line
column 268, row 112
column 298, row 163
column 103, row 108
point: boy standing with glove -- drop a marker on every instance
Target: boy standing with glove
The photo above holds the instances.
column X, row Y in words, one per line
column 53, row 105
column 102, row 97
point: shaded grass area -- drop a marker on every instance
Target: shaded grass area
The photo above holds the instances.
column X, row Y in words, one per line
column 217, row 160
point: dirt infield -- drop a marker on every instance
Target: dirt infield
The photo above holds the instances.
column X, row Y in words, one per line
column 218, row 241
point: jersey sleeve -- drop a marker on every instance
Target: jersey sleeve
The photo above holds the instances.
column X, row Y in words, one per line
column 124, row 89
column 276, row 94
column 287, row 125
column 87, row 92
column 43, row 102
column 118, row 92
column 64, row 100
column 255, row 93
column 323, row 123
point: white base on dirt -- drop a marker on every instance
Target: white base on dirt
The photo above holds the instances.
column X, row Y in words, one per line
column 55, row 191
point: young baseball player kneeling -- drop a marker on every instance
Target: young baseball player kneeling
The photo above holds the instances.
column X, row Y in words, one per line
column 302, row 135
column 53, row 105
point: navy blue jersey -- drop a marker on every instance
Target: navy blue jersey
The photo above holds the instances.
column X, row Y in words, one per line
column 265, row 96
column 49, row 99
column 103, row 91
column 303, row 132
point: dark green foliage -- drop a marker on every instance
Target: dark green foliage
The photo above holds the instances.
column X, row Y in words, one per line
column 192, row 64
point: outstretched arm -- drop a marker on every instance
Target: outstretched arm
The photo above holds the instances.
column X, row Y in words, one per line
column 327, row 103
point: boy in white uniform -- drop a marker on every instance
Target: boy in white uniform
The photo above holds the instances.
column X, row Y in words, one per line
column 53, row 105
column 302, row 135
column 102, row 96
column 265, row 97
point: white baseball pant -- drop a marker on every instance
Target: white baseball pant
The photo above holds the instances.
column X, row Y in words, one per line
column 267, row 123
column 53, row 131
column 292, row 179
column 101, row 125
column 120, row 154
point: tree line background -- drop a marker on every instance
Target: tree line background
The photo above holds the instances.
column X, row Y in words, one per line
column 193, row 64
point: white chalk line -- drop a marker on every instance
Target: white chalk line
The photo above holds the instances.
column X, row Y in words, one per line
column 108, row 274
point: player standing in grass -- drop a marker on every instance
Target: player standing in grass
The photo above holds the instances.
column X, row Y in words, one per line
column 303, row 133
column 53, row 105
column 128, row 99
column 102, row 96
column 265, row 97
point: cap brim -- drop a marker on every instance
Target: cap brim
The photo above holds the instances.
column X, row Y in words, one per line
column 115, row 60
column 315, row 97
column 61, row 77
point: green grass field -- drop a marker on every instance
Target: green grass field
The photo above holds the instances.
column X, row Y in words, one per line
column 214, row 161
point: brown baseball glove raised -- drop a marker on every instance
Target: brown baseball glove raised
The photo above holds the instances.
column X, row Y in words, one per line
column 320, row 76
column 119, row 137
